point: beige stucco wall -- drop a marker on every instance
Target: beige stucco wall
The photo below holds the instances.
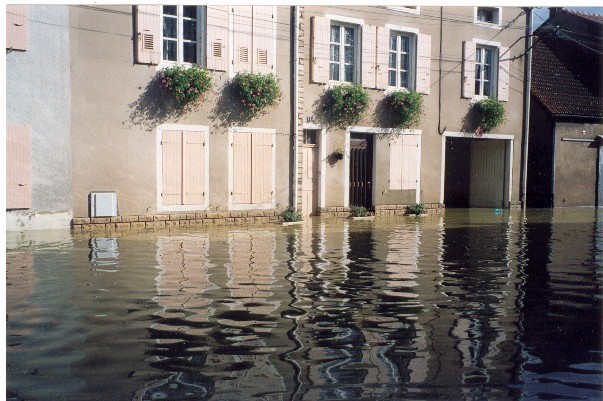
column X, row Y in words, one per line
column 116, row 112
column 457, row 27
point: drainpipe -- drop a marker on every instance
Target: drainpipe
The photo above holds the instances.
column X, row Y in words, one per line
column 294, row 93
column 526, row 106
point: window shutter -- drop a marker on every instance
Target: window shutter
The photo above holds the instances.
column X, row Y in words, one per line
column 242, row 38
column 217, row 38
column 468, row 84
column 18, row 167
column 503, row 75
column 395, row 163
column 193, row 168
column 171, row 150
column 16, row 26
column 263, row 39
column 148, row 22
column 320, row 49
column 423, row 63
column 261, row 168
column 369, row 56
column 241, row 167
column 382, row 56
column 410, row 160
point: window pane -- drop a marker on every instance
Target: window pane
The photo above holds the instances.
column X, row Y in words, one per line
column 487, row 89
column 349, row 73
column 349, row 36
column 478, row 55
column 392, row 60
column 335, row 32
column 477, row 87
column 478, row 72
column 487, row 72
column 405, row 44
column 170, row 10
column 392, row 42
column 404, row 79
column 349, row 54
column 488, row 56
column 170, row 50
column 391, row 80
column 169, row 27
column 404, row 62
column 190, row 30
column 334, row 72
column 189, row 11
column 190, row 52
column 334, row 53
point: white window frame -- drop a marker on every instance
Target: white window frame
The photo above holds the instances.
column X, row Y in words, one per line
column 159, row 158
column 412, row 76
column 201, row 35
column 342, row 23
column 480, row 47
column 497, row 17
column 410, row 10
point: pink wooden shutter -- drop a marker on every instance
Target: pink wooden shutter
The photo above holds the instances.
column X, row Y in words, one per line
column 261, row 170
column 320, row 49
column 410, row 159
column 171, row 150
column 241, row 167
column 193, row 168
column 148, row 22
column 382, row 57
column 16, row 26
column 18, row 167
column 217, row 38
column 423, row 63
column 395, row 163
column 242, row 38
column 369, row 56
column 503, row 74
column 263, row 39
column 468, row 84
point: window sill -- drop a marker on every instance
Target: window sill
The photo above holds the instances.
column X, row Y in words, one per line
column 493, row 25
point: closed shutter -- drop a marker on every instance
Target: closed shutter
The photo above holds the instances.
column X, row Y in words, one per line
column 241, row 167
column 193, row 168
column 148, row 22
column 468, row 84
column 242, row 38
column 369, row 56
column 18, row 167
column 320, row 49
column 395, row 163
column 261, row 168
column 263, row 39
column 423, row 63
column 171, row 150
column 16, row 27
column 410, row 159
column 503, row 74
column 217, row 38
column 382, row 57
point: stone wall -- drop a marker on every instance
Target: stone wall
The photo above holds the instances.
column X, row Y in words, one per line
column 380, row 210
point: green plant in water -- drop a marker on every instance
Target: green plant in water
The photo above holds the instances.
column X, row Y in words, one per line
column 491, row 114
column 405, row 108
column 359, row 211
column 346, row 104
column 187, row 85
column 416, row 209
column 257, row 92
column 291, row 214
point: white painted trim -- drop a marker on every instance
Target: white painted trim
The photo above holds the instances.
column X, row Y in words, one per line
column 346, row 169
column 22, row 221
column 159, row 167
column 509, row 149
column 408, row 10
column 201, row 40
column 403, row 29
column 348, row 20
column 475, row 136
column 322, row 166
column 496, row 25
column 443, row 168
column 484, row 42
column 251, row 206
column 418, row 189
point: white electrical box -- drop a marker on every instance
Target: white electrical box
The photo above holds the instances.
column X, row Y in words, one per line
column 103, row 204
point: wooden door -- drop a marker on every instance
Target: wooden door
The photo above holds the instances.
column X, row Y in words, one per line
column 310, row 180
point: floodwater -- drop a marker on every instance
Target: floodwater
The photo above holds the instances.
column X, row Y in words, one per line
column 470, row 305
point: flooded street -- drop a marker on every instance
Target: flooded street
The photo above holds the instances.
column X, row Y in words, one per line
column 469, row 305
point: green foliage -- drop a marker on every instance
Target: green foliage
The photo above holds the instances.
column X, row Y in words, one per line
column 359, row 211
column 346, row 104
column 491, row 114
column 187, row 85
column 257, row 92
column 415, row 208
column 338, row 154
column 291, row 214
column 406, row 108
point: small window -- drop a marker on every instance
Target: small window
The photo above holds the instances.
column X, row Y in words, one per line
column 485, row 66
column 343, row 53
column 309, row 137
column 181, row 34
column 401, row 60
column 488, row 15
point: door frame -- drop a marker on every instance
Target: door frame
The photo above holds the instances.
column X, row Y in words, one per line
column 321, row 140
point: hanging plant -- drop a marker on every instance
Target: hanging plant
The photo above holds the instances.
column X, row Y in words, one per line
column 490, row 114
column 405, row 108
column 257, row 92
column 346, row 104
column 186, row 85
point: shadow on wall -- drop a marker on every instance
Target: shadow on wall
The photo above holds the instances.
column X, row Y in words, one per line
column 471, row 121
column 228, row 110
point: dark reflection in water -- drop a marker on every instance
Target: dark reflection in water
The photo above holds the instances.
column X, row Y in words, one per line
column 471, row 305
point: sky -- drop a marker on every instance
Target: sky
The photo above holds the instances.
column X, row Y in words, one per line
column 542, row 13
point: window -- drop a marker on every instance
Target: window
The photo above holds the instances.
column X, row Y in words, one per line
column 310, row 137
column 343, row 53
column 488, row 15
column 485, row 64
column 401, row 60
column 181, row 34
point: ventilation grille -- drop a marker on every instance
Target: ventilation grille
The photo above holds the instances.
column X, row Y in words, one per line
column 147, row 41
column 243, row 54
column 262, row 56
column 217, row 49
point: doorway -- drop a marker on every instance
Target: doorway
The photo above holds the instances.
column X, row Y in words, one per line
column 361, row 170
column 309, row 179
